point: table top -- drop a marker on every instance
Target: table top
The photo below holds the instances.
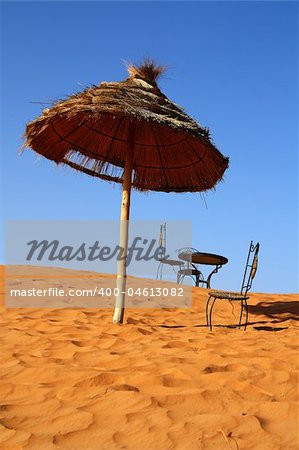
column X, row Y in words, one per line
column 209, row 259
column 171, row 262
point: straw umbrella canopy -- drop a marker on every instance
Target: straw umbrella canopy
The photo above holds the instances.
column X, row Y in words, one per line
column 129, row 132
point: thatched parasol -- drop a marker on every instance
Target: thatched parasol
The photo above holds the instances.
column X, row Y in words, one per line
column 129, row 132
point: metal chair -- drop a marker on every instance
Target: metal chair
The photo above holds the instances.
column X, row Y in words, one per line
column 189, row 269
column 163, row 261
column 162, row 244
column 242, row 297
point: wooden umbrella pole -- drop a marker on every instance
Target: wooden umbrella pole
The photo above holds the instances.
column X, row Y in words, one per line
column 123, row 238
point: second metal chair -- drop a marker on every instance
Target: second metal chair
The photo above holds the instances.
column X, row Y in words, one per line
column 242, row 297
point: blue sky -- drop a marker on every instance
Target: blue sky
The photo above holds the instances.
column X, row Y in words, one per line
column 232, row 65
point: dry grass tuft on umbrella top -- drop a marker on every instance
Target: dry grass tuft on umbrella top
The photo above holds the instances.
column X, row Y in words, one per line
column 148, row 70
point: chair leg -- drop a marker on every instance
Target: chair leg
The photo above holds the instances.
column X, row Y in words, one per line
column 241, row 314
column 158, row 271
column 161, row 273
column 207, row 311
column 246, row 316
column 211, row 310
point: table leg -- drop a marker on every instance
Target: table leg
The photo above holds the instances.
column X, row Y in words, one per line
column 197, row 276
column 210, row 276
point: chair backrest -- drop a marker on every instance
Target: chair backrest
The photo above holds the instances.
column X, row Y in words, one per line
column 188, row 252
column 162, row 240
column 251, row 267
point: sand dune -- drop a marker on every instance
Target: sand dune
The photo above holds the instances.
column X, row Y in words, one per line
column 70, row 379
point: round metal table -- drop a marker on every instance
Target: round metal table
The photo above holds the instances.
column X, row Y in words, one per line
column 174, row 263
column 171, row 262
column 207, row 259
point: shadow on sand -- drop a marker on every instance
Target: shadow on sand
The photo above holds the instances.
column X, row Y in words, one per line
column 279, row 311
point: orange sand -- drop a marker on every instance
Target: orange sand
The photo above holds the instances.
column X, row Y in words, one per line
column 70, row 379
